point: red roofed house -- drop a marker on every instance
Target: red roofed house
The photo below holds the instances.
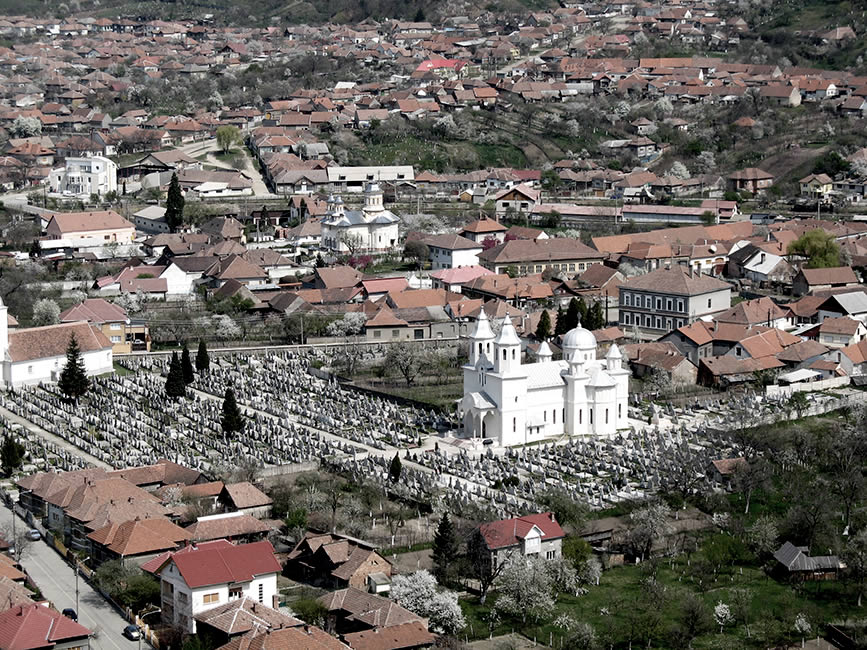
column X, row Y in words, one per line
column 113, row 322
column 28, row 627
column 532, row 535
column 200, row 577
column 83, row 229
column 38, row 354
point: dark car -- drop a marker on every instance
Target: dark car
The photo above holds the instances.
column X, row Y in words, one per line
column 70, row 613
column 132, row 632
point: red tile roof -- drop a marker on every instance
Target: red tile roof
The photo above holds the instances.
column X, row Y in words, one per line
column 396, row 637
column 509, row 532
column 35, row 626
column 201, row 567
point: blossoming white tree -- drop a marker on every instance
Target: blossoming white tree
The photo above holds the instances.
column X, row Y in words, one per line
column 418, row 593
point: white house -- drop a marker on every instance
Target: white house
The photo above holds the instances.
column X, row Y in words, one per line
column 206, row 575
column 38, row 354
column 84, row 176
column 515, row 403
column 373, row 229
column 452, row 251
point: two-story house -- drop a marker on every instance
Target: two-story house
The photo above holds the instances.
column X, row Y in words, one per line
column 669, row 298
column 532, row 535
column 124, row 335
column 452, row 251
column 202, row 576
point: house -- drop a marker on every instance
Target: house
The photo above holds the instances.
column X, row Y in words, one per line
column 227, row 228
column 530, row 536
column 796, row 562
column 780, row 95
column 723, row 470
column 664, row 357
column 453, row 279
column 242, row 616
column 234, row 526
column 352, row 610
column 528, row 256
column 838, row 332
column 202, row 576
column 750, row 180
column 340, row 561
column 817, row 186
column 669, row 298
column 808, row 281
column 124, row 335
column 853, row 305
column 484, row 228
column 519, row 199
column 37, row 627
column 247, row 498
column 35, row 355
column 135, row 541
column 760, row 311
column 151, row 220
column 452, row 251
column 82, row 177
column 89, row 229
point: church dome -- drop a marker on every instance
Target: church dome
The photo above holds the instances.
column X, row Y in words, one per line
column 579, row 339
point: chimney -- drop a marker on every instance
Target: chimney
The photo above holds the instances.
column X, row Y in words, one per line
column 553, row 518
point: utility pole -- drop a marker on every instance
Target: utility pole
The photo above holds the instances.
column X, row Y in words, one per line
column 76, row 583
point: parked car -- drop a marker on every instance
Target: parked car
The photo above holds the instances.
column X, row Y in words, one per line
column 34, row 534
column 70, row 613
column 132, row 632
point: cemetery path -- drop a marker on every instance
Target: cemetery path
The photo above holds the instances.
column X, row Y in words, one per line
column 57, row 440
column 56, row 581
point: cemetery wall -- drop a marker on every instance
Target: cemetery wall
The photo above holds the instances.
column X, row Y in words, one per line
column 807, row 387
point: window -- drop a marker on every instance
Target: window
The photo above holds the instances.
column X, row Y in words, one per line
column 394, row 334
column 708, row 303
column 590, row 411
column 504, row 355
column 115, row 339
column 620, row 411
column 580, row 415
column 554, row 415
column 115, row 326
column 29, row 370
column 627, row 318
column 627, row 299
column 658, row 323
column 539, row 268
column 668, row 304
column 210, row 599
column 377, row 334
column 659, row 304
column 545, row 416
column 514, row 425
column 235, row 593
column 261, row 592
column 738, row 351
column 571, row 267
column 606, row 416
column 550, row 555
column 680, row 305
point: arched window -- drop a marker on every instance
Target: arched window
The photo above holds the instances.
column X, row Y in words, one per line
column 513, row 355
column 591, row 415
column 514, row 425
column 554, row 415
column 580, row 415
column 606, row 416
column 620, row 410
column 480, row 349
column 504, row 355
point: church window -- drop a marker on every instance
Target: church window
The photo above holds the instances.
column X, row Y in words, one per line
column 606, row 416
column 480, row 348
column 563, row 415
column 554, row 415
column 708, row 303
column 513, row 355
column 580, row 415
column 620, row 410
column 514, row 425
column 488, row 347
column 591, row 415
column 504, row 355
column 516, row 399
column 545, row 416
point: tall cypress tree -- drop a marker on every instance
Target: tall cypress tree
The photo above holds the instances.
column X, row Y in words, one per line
column 186, row 365
column 446, row 547
column 174, row 205
column 596, row 317
column 582, row 312
column 395, row 469
column 543, row 329
column 11, row 455
column 203, row 361
column 232, row 420
column 560, row 326
column 573, row 314
column 73, row 378
column 175, row 386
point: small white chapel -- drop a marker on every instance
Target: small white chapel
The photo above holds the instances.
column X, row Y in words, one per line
column 515, row 403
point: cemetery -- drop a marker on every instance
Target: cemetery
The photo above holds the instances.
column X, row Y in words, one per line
column 298, row 417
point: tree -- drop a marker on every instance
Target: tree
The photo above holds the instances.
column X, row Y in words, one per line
column 526, row 589
column 595, row 317
column 25, row 127
column 482, row 566
column 819, row 247
column 749, row 477
column 174, row 205
column 175, row 386
column 406, row 358
column 695, row 619
column 679, row 170
column 418, row 593
column 446, row 547
column 232, row 420
column 722, row 613
column 763, row 536
column 543, row 329
column 395, row 469
column 73, row 383
column 567, row 511
column 418, row 251
column 11, row 455
column 648, row 525
column 45, row 312
column 203, row 362
column 708, row 218
column 186, row 365
column 227, row 137
column 560, row 326
column 855, row 556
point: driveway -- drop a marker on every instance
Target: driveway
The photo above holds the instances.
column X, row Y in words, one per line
column 56, row 580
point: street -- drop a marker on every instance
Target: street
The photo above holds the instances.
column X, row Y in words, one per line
column 56, row 580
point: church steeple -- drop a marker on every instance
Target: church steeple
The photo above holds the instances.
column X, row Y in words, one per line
column 507, row 347
column 372, row 198
column 481, row 339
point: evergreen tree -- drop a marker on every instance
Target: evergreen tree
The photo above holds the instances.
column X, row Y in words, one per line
column 582, row 312
column 203, row 361
column 543, row 329
column 596, row 317
column 446, row 547
column 35, row 248
column 186, row 365
column 320, row 263
column 573, row 314
column 73, row 378
column 232, row 420
column 174, row 205
column 175, row 386
column 11, row 455
column 560, row 327
column 395, row 469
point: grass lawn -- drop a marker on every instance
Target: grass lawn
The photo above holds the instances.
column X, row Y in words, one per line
column 121, row 371
column 642, row 614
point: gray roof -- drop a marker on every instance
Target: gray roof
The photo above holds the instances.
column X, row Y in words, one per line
column 852, row 303
column 357, row 218
column 797, row 558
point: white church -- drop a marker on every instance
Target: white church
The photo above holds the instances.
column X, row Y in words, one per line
column 372, row 230
column 515, row 403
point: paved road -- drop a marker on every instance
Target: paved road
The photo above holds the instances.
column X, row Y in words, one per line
column 56, row 579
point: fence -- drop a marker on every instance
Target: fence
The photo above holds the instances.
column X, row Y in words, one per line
column 807, row 387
